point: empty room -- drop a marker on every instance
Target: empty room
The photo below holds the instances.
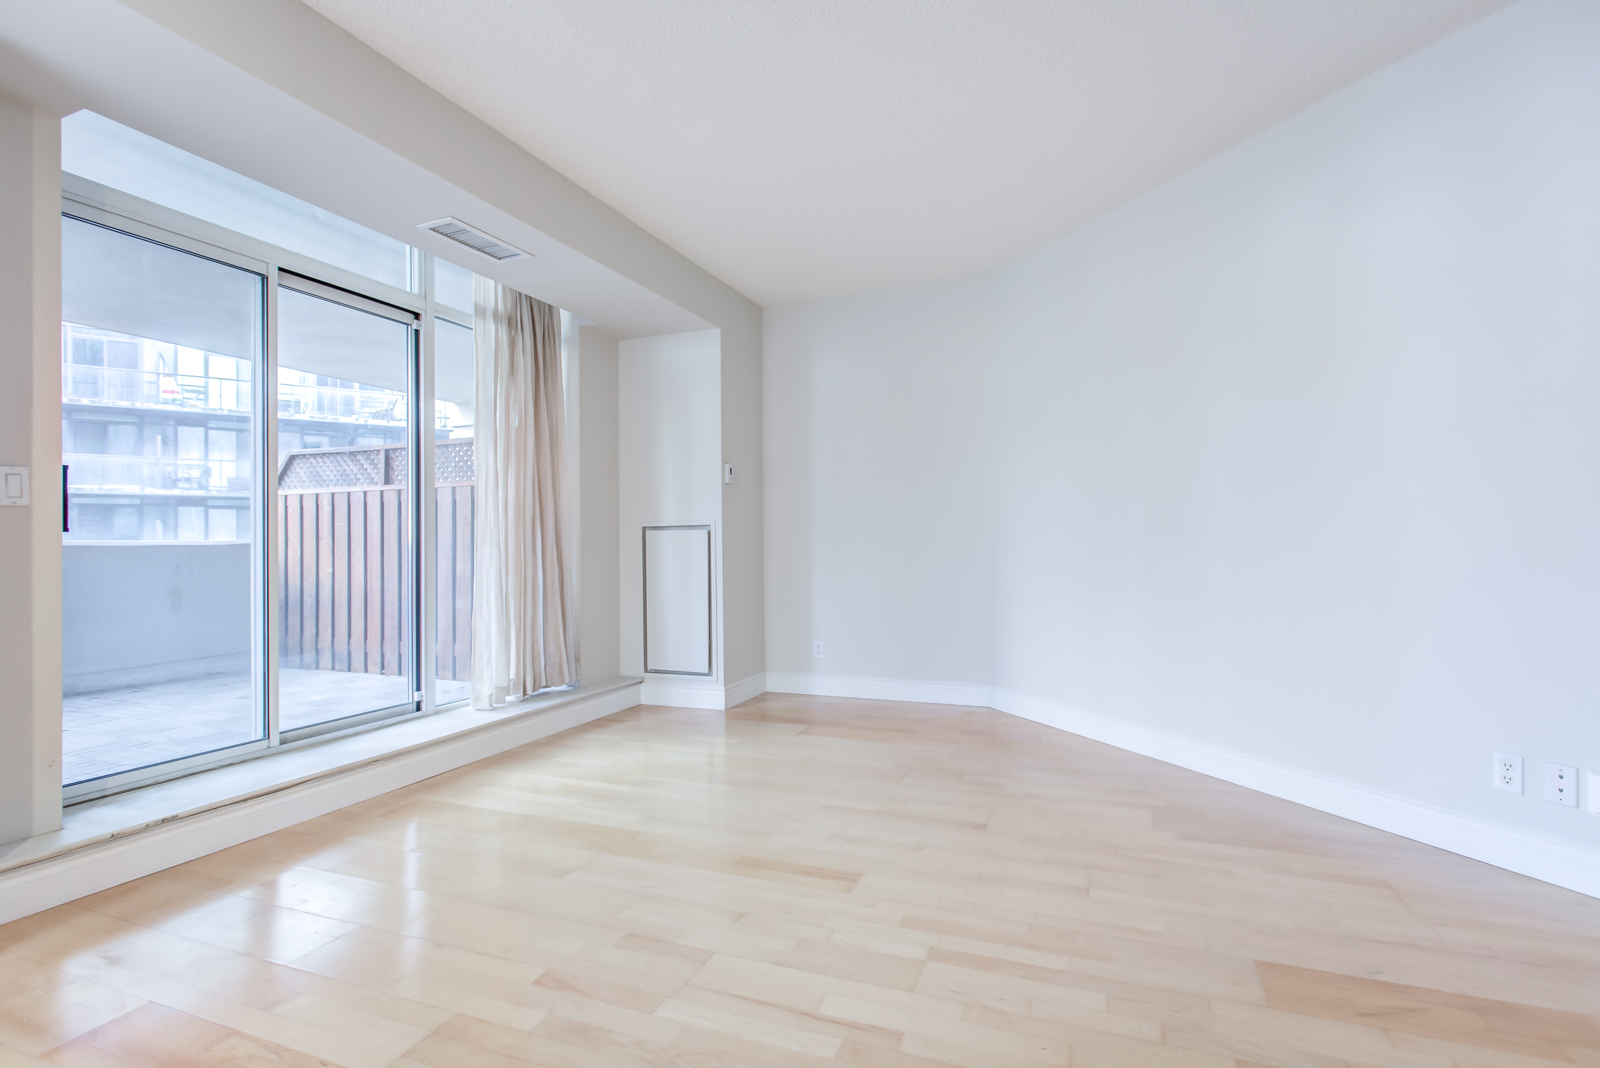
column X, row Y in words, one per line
column 964, row 534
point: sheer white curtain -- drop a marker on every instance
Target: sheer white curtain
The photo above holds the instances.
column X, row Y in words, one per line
column 520, row 637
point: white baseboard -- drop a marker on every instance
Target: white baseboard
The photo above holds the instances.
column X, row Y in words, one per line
column 678, row 691
column 927, row 693
column 740, row 692
column 1505, row 847
column 42, row 885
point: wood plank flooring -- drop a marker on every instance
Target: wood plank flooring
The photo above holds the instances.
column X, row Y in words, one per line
column 803, row 882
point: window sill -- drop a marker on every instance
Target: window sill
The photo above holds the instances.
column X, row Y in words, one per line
column 94, row 823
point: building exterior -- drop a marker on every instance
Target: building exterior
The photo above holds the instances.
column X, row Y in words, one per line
column 156, row 436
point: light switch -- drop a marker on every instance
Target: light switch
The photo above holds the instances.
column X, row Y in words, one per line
column 13, row 485
column 727, row 474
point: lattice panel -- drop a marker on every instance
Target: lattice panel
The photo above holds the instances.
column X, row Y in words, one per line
column 327, row 469
column 452, row 461
column 380, row 465
column 394, row 465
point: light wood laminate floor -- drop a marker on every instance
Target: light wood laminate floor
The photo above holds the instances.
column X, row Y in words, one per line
column 806, row 882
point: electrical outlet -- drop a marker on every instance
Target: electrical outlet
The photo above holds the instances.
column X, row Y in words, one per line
column 816, row 650
column 1508, row 773
column 1561, row 785
column 1594, row 793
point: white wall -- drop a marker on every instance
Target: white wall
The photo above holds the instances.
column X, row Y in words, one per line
column 599, row 634
column 30, row 435
column 1297, row 456
column 880, row 485
column 669, row 416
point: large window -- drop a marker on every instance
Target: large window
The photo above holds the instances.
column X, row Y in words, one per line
column 243, row 444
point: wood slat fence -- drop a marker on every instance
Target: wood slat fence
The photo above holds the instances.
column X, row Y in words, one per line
column 343, row 600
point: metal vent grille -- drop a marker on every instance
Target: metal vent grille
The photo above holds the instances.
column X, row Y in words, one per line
column 475, row 239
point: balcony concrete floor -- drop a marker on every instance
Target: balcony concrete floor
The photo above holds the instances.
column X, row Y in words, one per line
column 112, row 731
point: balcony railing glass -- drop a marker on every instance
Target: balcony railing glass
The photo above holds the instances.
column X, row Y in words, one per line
column 93, row 473
column 118, row 386
column 122, row 386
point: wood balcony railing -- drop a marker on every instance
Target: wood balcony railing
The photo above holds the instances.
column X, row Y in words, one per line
column 342, row 533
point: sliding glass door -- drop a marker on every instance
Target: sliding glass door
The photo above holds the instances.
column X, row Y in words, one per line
column 162, row 353
column 241, row 459
column 346, row 473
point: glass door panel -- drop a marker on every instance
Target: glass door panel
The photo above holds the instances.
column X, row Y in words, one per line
column 454, row 391
column 160, row 350
column 345, row 470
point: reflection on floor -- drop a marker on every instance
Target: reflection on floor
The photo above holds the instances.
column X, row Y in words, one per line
column 809, row 882
column 113, row 731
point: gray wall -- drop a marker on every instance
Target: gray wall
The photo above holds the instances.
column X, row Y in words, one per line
column 144, row 612
column 30, row 435
column 599, row 635
column 742, row 582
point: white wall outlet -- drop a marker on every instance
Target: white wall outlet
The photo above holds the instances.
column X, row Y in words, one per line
column 1561, row 785
column 1594, row 793
column 816, row 650
column 1508, row 773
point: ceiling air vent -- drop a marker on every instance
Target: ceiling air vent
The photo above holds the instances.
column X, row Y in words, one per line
column 475, row 239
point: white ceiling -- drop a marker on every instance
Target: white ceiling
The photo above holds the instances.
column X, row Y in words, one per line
column 800, row 149
column 103, row 56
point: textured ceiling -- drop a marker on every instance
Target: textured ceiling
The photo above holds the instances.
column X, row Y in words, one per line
column 814, row 148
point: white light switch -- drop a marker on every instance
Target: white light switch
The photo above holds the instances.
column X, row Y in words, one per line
column 13, row 485
column 727, row 474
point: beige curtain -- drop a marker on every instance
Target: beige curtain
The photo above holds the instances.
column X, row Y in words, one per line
column 520, row 637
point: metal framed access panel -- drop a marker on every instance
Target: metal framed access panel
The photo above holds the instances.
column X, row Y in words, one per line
column 677, row 600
